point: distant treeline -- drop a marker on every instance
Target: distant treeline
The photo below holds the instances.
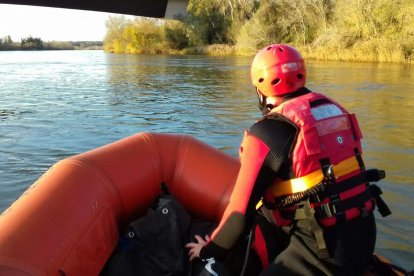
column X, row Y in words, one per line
column 35, row 43
column 368, row 30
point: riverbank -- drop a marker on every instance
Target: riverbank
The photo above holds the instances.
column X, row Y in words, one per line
column 369, row 51
column 353, row 30
column 30, row 44
column 362, row 52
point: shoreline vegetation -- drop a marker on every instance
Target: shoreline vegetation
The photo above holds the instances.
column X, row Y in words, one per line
column 336, row 30
column 34, row 43
column 342, row 30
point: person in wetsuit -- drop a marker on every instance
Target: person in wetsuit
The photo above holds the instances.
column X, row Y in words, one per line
column 303, row 174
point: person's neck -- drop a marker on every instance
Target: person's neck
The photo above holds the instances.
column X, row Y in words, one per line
column 281, row 99
column 276, row 101
column 301, row 91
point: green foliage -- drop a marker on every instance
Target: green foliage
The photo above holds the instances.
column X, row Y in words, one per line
column 359, row 30
column 211, row 50
column 58, row 45
column 6, row 43
column 113, row 41
column 372, row 30
column 375, row 18
column 89, row 45
column 133, row 37
column 175, row 35
column 146, row 37
column 31, row 43
column 374, row 50
column 295, row 22
column 257, row 32
column 239, row 12
column 380, row 30
column 207, row 22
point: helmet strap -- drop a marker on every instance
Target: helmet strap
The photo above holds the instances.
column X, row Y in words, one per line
column 263, row 105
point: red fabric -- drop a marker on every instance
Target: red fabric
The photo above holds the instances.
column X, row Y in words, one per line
column 335, row 135
column 253, row 152
column 260, row 247
column 318, row 139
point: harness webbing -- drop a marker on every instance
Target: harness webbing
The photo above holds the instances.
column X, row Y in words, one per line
column 301, row 184
column 333, row 209
column 308, row 213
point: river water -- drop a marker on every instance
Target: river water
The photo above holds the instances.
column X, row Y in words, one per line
column 54, row 104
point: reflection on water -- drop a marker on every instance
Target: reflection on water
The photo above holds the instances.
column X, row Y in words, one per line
column 382, row 96
column 56, row 104
column 201, row 96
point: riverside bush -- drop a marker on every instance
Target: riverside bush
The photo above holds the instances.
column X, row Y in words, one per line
column 355, row 30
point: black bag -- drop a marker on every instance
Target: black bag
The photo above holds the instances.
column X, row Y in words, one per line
column 154, row 244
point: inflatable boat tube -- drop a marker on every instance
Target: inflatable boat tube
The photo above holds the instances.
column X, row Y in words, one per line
column 68, row 222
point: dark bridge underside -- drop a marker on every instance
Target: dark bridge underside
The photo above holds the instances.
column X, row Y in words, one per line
column 147, row 8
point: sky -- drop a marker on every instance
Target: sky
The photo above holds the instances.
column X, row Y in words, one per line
column 50, row 24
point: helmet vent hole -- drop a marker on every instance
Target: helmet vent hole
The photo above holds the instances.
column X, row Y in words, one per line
column 281, row 49
column 261, row 80
column 300, row 76
column 269, row 48
column 275, row 81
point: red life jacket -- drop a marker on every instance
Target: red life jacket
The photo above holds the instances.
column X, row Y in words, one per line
column 327, row 146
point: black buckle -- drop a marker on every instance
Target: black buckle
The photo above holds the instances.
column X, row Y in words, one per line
column 376, row 192
column 375, row 175
column 363, row 211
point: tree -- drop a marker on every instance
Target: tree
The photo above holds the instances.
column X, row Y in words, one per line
column 266, row 26
column 239, row 12
column 175, row 34
column 6, row 43
column 113, row 41
column 31, row 43
column 144, row 36
column 207, row 22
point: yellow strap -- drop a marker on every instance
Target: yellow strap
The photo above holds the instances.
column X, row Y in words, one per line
column 259, row 204
column 303, row 183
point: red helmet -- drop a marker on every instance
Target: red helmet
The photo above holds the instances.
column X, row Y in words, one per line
column 278, row 69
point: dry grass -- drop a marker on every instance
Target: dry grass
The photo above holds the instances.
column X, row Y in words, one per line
column 211, row 50
column 375, row 50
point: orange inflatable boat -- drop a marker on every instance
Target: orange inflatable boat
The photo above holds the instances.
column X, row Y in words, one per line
column 68, row 222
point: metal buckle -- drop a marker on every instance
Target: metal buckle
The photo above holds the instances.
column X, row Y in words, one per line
column 328, row 210
column 330, row 173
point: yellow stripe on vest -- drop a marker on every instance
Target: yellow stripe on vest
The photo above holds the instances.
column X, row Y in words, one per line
column 301, row 184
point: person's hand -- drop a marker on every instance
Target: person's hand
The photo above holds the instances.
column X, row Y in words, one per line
column 195, row 247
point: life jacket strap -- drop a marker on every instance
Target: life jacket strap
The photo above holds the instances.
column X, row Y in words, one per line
column 307, row 212
column 301, row 184
column 381, row 205
column 338, row 208
column 371, row 175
